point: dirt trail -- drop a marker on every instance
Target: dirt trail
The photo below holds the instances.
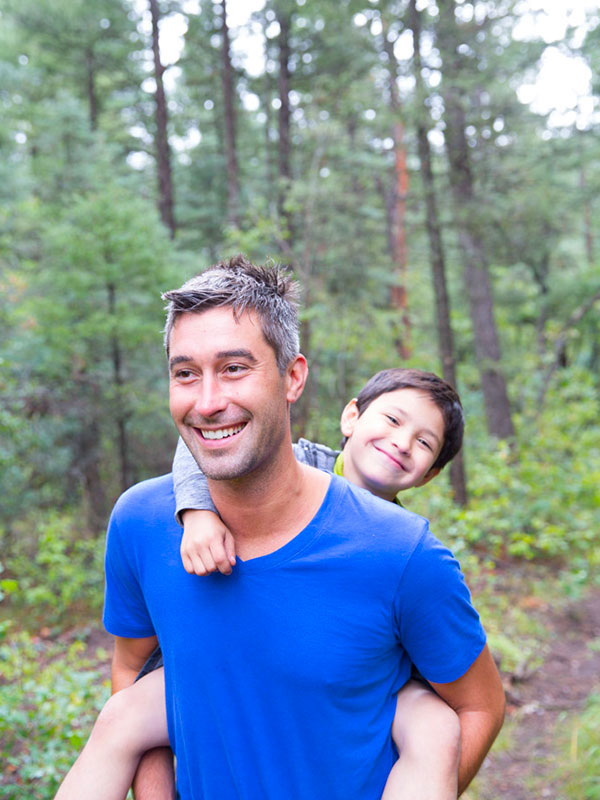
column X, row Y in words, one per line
column 537, row 705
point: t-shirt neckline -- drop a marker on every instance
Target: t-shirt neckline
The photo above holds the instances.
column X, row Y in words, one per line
column 326, row 511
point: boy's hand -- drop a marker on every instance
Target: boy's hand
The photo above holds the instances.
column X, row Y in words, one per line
column 207, row 544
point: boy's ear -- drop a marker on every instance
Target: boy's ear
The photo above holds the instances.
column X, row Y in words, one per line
column 429, row 476
column 348, row 419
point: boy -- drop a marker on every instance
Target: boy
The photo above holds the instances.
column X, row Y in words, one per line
column 401, row 430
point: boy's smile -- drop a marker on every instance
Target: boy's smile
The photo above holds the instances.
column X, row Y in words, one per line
column 394, row 443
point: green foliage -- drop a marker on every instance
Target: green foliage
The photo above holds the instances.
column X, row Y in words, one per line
column 49, row 697
column 86, row 368
column 51, row 573
column 582, row 753
column 538, row 500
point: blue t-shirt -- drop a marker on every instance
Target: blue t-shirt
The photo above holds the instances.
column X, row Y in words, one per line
column 281, row 678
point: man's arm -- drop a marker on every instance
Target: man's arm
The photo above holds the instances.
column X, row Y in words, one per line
column 478, row 699
column 129, row 657
column 154, row 779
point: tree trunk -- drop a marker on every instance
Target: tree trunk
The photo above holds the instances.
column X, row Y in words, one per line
column 436, row 250
column 120, row 412
column 397, row 208
column 233, row 186
column 87, row 464
column 163, row 153
column 283, row 85
column 270, row 165
column 91, row 89
column 588, row 235
column 477, row 280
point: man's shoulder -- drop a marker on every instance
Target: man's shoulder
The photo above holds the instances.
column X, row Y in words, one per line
column 148, row 497
column 394, row 525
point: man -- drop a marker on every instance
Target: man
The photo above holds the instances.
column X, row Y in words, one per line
column 281, row 678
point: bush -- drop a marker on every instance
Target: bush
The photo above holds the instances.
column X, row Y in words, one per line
column 48, row 701
column 52, row 572
column 582, row 754
column 536, row 500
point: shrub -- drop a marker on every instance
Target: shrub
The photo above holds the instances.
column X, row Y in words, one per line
column 48, row 701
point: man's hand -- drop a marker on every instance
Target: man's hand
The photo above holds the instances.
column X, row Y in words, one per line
column 207, row 544
column 478, row 699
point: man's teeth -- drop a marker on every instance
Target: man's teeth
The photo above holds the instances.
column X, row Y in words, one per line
column 222, row 433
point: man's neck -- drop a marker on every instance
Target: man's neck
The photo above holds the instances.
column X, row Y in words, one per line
column 268, row 508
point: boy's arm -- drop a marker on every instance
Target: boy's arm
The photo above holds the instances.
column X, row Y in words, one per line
column 478, row 699
column 189, row 484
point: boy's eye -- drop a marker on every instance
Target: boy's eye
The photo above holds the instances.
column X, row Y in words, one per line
column 426, row 444
column 392, row 419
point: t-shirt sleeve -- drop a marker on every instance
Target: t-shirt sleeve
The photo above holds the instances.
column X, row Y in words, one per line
column 437, row 622
column 315, row 455
column 189, row 483
column 125, row 610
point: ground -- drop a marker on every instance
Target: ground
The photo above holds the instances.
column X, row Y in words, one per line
column 543, row 707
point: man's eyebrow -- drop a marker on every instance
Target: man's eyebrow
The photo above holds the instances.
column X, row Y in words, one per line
column 222, row 354
column 178, row 360
column 241, row 353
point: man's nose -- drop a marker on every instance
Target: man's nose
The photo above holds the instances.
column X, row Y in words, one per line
column 210, row 398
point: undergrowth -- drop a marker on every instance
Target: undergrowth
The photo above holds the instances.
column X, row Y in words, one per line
column 49, row 697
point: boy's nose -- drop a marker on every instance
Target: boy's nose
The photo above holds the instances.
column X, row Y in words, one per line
column 402, row 440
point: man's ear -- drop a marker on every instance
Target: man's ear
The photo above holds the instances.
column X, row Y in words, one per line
column 429, row 476
column 296, row 375
column 348, row 419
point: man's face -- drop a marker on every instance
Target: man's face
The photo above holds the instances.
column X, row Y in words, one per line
column 227, row 397
column 393, row 444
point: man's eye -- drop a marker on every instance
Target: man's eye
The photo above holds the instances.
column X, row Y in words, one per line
column 183, row 374
column 235, row 369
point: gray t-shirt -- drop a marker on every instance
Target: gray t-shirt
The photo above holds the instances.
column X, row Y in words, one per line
column 191, row 487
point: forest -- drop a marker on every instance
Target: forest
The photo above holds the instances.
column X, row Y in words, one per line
column 388, row 152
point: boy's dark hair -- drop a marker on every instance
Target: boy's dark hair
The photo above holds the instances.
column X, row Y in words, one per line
column 440, row 392
column 269, row 291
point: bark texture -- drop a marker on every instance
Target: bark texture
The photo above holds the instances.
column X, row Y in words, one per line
column 436, row 249
column 233, row 181
column 476, row 274
column 163, row 152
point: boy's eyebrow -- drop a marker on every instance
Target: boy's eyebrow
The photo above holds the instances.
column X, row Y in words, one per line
column 402, row 413
column 239, row 353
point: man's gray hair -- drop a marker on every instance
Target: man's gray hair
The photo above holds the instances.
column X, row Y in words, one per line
column 269, row 291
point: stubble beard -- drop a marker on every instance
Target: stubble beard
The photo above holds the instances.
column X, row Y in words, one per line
column 220, row 465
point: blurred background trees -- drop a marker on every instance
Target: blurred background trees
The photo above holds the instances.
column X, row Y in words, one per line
column 384, row 150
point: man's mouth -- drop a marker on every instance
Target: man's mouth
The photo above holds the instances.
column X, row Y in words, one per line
column 221, row 433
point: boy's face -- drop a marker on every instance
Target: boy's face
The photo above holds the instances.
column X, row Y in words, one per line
column 393, row 444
